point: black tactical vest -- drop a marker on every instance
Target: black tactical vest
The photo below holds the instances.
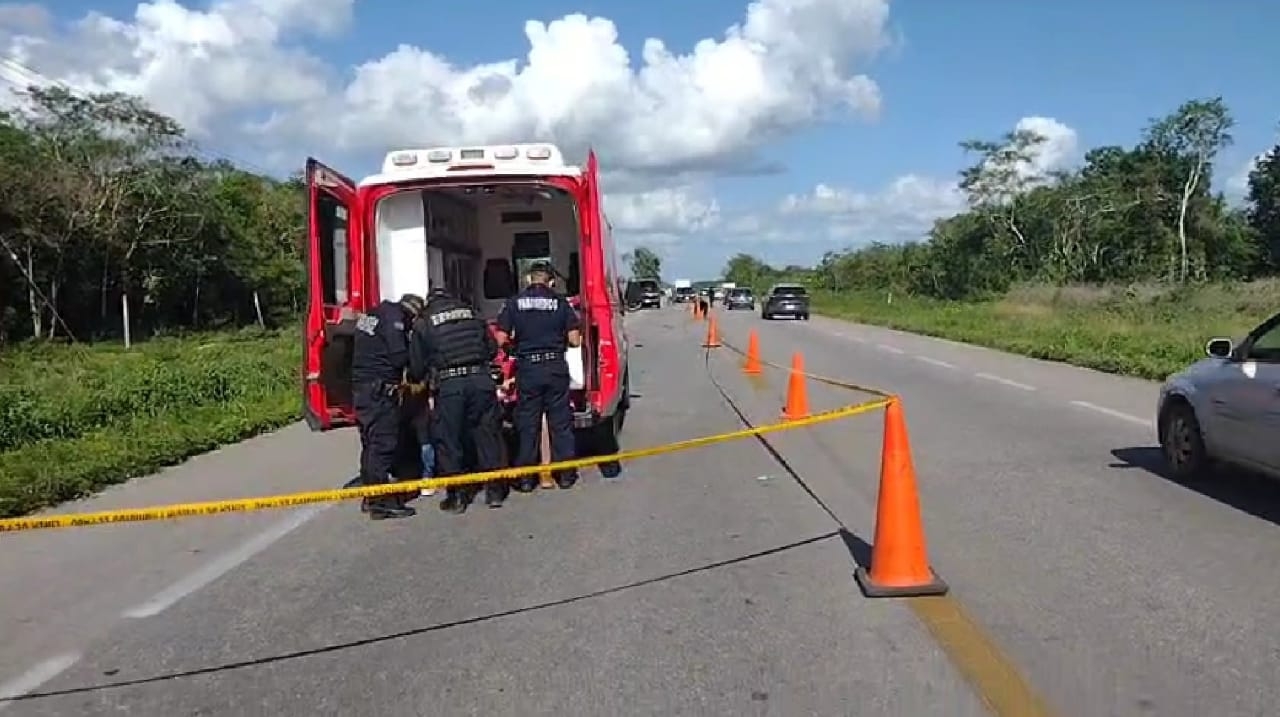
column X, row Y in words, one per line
column 456, row 333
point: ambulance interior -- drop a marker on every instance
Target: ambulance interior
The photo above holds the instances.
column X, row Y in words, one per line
column 478, row 241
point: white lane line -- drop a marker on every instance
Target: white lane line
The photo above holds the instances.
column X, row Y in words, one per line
column 1113, row 413
column 934, row 361
column 890, row 349
column 33, row 678
column 1005, row 381
column 222, row 565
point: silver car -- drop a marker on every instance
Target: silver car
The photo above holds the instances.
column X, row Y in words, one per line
column 1225, row 408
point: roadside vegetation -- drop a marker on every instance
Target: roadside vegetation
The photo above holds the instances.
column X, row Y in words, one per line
column 148, row 297
column 1126, row 264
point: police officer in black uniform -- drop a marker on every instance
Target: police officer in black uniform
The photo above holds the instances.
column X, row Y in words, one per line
column 541, row 325
column 381, row 354
column 453, row 347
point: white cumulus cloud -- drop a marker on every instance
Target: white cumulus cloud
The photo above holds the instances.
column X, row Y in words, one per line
column 243, row 65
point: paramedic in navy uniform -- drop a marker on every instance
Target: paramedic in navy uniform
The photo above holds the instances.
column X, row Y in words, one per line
column 452, row 346
column 541, row 324
column 380, row 357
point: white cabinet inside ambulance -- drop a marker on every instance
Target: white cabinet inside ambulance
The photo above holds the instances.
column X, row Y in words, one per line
column 471, row 219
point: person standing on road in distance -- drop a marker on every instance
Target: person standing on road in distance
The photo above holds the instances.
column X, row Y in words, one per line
column 541, row 324
column 381, row 354
column 453, row 345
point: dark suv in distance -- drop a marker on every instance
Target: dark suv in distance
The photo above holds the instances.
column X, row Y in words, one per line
column 786, row 300
column 648, row 294
column 740, row 298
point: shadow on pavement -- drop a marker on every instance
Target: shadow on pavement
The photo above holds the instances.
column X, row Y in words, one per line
column 1254, row 494
column 857, row 546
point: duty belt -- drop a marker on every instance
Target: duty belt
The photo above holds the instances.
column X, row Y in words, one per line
column 459, row 371
column 540, row 357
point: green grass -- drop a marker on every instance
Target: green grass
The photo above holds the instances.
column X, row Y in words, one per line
column 1143, row 331
column 76, row 419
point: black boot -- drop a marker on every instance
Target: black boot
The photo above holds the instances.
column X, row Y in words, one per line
column 456, row 501
column 566, row 479
column 496, row 493
column 384, row 508
column 527, row 484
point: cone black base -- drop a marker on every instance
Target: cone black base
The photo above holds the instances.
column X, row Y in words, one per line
column 935, row 587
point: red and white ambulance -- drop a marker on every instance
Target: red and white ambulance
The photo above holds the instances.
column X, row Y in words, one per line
column 471, row 219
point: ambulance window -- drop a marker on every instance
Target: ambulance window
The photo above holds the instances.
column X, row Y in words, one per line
column 499, row 282
column 332, row 242
column 529, row 217
column 530, row 244
column 575, row 276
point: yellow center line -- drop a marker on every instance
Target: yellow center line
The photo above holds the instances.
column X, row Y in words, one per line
column 992, row 674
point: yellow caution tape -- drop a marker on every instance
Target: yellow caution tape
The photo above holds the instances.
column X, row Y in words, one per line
column 243, row 505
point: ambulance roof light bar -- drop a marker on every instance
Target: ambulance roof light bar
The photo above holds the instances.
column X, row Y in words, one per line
column 462, row 158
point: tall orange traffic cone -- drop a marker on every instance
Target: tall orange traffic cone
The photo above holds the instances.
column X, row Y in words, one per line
column 713, row 338
column 697, row 309
column 545, row 479
column 752, row 366
column 797, row 393
column 899, row 560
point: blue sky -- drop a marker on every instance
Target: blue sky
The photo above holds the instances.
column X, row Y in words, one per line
column 954, row 70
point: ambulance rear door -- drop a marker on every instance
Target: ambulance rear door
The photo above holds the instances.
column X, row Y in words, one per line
column 335, row 284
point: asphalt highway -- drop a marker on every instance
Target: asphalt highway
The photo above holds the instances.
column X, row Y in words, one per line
column 716, row 581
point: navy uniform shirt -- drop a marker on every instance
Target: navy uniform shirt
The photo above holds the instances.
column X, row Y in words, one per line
column 382, row 347
column 538, row 320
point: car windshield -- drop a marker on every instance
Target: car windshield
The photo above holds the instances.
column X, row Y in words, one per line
column 740, row 292
column 648, row 285
column 789, row 291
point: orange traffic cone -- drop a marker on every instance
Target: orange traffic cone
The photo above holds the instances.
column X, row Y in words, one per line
column 697, row 309
column 899, row 560
column 797, row 393
column 713, row 337
column 545, row 479
column 752, row 366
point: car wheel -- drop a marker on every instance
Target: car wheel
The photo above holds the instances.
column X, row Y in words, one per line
column 1182, row 443
column 805, row 316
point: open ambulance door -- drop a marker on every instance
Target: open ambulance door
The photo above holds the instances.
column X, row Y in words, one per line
column 335, row 292
column 604, row 338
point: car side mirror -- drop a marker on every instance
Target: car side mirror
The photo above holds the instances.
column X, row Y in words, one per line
column 1219, row 348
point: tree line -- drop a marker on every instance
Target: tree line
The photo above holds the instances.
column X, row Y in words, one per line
column 1128, row 214
column 111, row 223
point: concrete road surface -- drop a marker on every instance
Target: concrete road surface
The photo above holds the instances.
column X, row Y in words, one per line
column 710, row 582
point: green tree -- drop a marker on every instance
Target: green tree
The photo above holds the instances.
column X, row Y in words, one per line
column 1191, row 137
column 106, row 212
column 1264, row 204
column 645, row 264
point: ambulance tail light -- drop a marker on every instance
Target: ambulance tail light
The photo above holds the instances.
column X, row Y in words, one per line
column 537, row 153
column 404, row 159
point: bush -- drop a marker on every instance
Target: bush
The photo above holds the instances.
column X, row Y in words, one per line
column 1144, row 331
column 76, row 419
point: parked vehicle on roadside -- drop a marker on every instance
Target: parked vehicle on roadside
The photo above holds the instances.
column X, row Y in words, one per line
column 1225, row 408
column 644, row 294
column 740, row 298
column 786, row 300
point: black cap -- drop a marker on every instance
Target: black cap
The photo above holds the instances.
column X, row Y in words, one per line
column 542, row 266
